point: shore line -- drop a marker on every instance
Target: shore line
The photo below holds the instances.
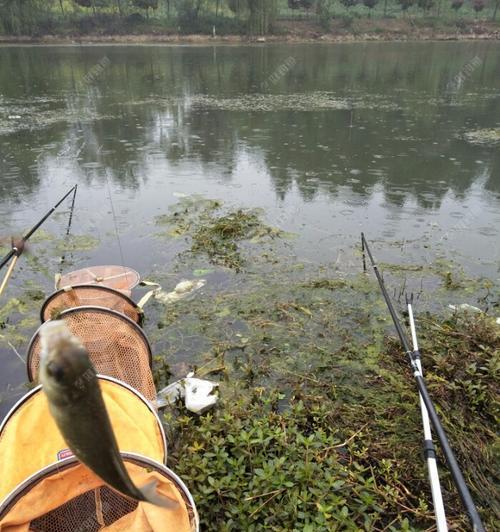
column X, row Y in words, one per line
column 198, row 39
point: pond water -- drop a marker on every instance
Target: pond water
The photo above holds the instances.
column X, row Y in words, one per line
column 400, row 140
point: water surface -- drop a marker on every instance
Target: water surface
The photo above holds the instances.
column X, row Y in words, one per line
column 328, row 139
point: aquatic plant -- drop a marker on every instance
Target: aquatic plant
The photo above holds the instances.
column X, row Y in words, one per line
column 314, row 452
column 483, row 136
column 215, row 234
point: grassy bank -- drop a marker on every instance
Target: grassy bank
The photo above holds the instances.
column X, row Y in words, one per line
column 344, row 29
column 235, row 21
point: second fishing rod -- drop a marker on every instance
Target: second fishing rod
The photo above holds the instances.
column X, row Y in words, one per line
column 453, row 466
column 17, row 249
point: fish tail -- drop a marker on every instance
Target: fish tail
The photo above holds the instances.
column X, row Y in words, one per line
column 150, row 495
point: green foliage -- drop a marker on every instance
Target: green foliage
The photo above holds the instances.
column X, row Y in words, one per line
column 426, row 5
column 370, row 4
column 307, row 455
column 406, row 4
column 301, row 4
column 145, row 4
column 262, row 15
column 214, row 234
column 324, row 10
column 478, row 5
column 251, row 17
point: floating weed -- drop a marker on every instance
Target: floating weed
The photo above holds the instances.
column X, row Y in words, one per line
column 76, row 243
column 329, row 284
column 42, row 235
column 219, row 238
column 34, row 117
column 186, row 215
column 483, row 136
column 215, row 234
column 258, row 102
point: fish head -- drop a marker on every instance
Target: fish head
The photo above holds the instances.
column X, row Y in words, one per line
column 65, row 367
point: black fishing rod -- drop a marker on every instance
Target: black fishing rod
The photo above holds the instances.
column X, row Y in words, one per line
column 17, row 248
column 413, row 356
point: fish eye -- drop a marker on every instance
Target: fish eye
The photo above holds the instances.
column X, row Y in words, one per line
column 56, row 371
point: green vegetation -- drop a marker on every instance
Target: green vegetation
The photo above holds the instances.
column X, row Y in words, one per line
column 223, row 17
column 311, row 435
column 214, row 234
column 318, row 426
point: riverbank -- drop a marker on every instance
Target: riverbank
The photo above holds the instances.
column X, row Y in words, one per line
column 342, row 30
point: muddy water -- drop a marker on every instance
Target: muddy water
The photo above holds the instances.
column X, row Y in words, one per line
column 399, row 140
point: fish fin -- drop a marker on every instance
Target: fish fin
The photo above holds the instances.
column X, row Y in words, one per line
column 151, row 496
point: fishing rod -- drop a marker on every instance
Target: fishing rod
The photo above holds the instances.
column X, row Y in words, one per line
column 18, row 245
column 454, row 468
column 68, row 229
column 429, row 450
column 16, row 250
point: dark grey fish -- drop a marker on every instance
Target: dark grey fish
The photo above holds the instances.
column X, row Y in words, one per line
column 75, row 401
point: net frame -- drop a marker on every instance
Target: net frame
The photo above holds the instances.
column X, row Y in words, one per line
column 113, row 365
column 102, row 276
column 34, row 395
column 7, row 504
column 116, row 299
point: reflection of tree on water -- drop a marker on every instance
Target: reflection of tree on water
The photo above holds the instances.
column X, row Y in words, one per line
column 144, row 95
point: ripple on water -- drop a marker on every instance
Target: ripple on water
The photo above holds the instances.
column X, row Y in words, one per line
column 487, row 231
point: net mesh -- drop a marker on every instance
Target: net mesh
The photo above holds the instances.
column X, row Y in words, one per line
column 117, row 277
column 117, row 347
column 89, row 295
column 92, row 505
column 89, row 512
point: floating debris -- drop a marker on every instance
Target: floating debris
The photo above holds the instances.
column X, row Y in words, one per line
column 198, row 394
column 181, row 291
column 483, row 136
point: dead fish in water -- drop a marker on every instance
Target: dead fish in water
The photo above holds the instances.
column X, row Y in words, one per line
column 76, row 404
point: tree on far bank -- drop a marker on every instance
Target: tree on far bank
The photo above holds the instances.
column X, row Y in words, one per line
column 348, row 3
column 370, row 4
column 405, row 4
column 457, row 4
column 426, row 5
column 145, row 4
column 478, row 6
column 495, row 9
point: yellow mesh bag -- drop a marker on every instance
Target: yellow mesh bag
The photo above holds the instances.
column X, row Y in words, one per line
column 68, row 497
column 117, row 347
column 117, row 277
column 30, row 439
column 89, row 295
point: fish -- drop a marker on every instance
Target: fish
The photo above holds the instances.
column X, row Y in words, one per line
column 70, row 383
